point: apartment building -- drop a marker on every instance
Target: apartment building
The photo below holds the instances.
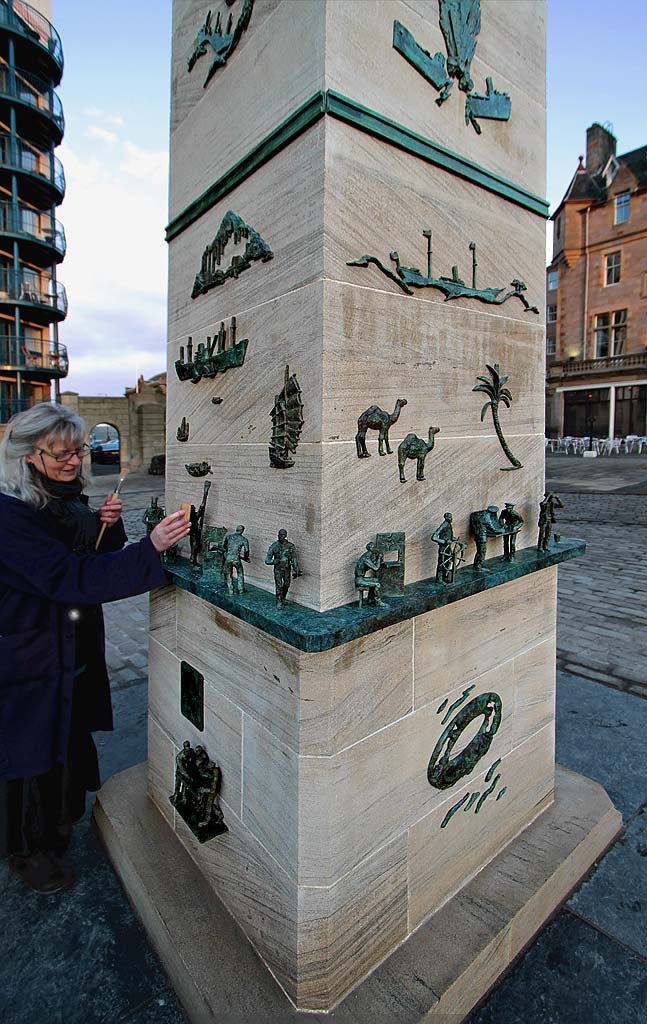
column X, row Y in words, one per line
column 596, row 296
column 32, row 184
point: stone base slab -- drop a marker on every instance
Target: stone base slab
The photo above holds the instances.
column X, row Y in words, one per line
column 440, row 973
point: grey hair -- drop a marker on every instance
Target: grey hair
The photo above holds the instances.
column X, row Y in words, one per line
column 22, row 434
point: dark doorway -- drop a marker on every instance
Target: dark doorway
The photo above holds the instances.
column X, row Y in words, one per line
column 631, row 410
column 582, row 407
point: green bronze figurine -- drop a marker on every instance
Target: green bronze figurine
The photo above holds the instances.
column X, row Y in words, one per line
column 195, row 798
column 369, row 562
column 413, row 447
column 196, row 520
column 282, row 554
column 484, row 524
column 450, row 550
column 153, row 515
column 512, row 522
column 494, row 388
column 236, row 551
column 546, row 519
column 375, row 418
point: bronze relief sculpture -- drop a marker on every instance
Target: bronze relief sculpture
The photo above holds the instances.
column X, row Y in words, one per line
column 450, row 550
column 195, row 797
column 282, row 555
column 494, row 388
column 408, row 278
column 375, row 418
column 223, row 41
column 413, row 447
column 287, row 422
column 547, row 507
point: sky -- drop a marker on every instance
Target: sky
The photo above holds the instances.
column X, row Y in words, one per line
column 115, row 93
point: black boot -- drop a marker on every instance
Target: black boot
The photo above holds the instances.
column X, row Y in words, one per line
column 43, row 872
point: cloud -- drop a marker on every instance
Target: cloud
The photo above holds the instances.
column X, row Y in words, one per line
column 94, row 132
column 115, row 270
column 146, row 165
column 102, row 115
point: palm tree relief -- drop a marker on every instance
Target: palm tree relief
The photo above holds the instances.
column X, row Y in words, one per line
column 496, row 393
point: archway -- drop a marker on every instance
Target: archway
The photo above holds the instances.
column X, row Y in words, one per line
column 105, row 449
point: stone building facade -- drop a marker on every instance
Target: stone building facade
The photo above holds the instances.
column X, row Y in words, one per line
column 138, row 417
column 596, row 296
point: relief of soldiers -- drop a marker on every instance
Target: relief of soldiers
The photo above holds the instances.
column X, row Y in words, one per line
column 236, row 551
column 282, row 554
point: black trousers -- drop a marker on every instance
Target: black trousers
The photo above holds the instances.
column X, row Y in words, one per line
column 37, row 813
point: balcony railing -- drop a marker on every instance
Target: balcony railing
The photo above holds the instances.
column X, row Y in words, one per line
column 28, row 88
column 36, row 290
column 18, row 219
column 17, row 154
column 577, row 367
column 33, row 25
column 33, row 354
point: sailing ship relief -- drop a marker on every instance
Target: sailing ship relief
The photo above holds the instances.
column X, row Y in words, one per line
column 287, row 423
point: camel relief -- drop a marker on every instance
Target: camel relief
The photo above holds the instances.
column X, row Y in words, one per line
column 413, row 447
column 375, row 418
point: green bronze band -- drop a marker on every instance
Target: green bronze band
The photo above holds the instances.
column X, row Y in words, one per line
column 397, row 135
column 366, row 120
column 293, row 126
column 312, row 631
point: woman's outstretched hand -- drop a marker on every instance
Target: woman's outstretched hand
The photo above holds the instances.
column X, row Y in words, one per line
column 170, row 531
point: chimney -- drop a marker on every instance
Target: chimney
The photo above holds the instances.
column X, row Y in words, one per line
column 600, row 145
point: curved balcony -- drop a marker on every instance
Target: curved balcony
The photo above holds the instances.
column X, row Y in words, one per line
column 33, row 355
column 44, row 299
column 39, row 111
column 35, row 38
column 41, row 237
column 41, row 174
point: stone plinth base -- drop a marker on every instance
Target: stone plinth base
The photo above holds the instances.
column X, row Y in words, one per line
column 443, row 969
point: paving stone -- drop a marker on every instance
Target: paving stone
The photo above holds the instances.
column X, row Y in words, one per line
column 163, row 1009
column 78, row 957
column 615, row 897
column 600, row 733
column 571, row 975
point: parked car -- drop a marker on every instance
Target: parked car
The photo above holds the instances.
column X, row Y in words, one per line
column 105, row 452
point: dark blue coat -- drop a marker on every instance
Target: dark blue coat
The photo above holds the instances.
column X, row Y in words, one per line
column 41, row 583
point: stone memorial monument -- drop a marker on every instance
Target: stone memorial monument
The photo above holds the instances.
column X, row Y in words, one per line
column 384, row 767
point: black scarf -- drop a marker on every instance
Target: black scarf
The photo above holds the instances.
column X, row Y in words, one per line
column 75, row 523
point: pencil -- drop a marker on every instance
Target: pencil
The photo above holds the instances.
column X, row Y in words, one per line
column 103, row 525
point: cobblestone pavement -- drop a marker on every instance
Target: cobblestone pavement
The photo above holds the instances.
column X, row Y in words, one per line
column 602, row 597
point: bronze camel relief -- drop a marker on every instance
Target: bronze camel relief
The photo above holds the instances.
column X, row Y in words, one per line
column 375, row 418
column 414, row 447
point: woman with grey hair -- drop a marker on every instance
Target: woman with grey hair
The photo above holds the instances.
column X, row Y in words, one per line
column 54, row 576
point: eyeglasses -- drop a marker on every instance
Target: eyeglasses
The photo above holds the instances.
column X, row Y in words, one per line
column 80, row 453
